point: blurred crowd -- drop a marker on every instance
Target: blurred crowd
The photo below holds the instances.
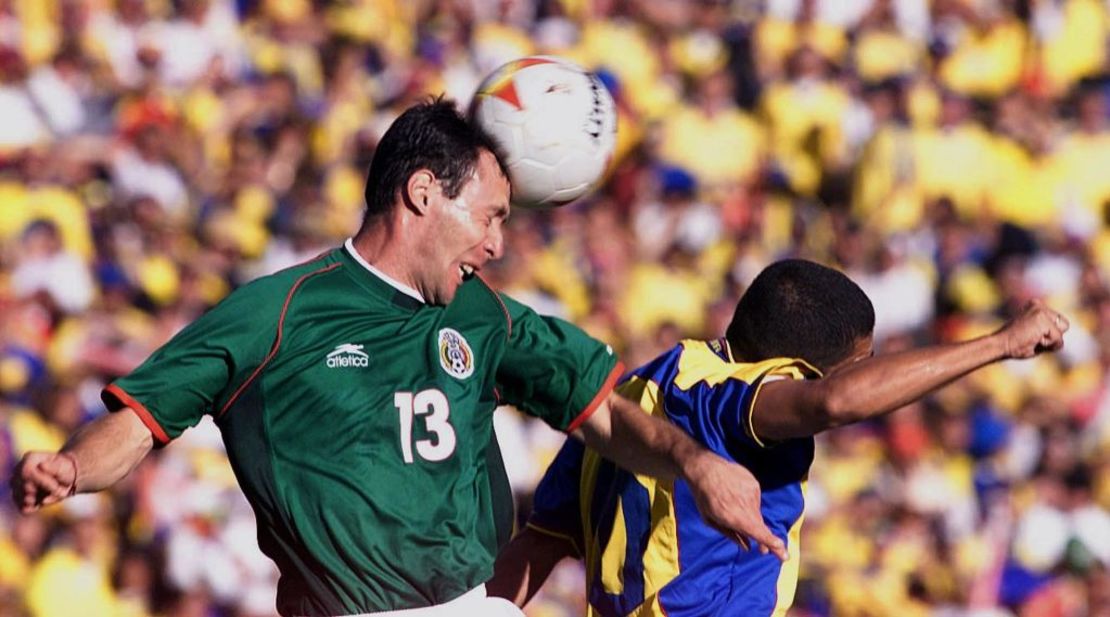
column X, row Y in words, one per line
column 953, row 156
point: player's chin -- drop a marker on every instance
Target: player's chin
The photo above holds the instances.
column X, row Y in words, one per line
column 447, row 291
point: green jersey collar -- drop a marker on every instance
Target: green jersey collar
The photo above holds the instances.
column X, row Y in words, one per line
column 380, row 282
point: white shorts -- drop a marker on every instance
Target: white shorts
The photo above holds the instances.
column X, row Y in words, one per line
column 474, row 603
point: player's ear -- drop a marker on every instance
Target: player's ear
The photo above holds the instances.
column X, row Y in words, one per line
column 419, row 191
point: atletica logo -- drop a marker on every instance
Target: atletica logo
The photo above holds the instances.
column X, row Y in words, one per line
column 348, row 354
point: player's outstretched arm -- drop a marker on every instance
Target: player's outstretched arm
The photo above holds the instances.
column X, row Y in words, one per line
column 727, row 494
column 525, row 563
column 787, row 409
column 97, row 456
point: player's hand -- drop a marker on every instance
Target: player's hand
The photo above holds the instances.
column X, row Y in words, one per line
column 1037, row 329
column 728, row 497
column 43, row 478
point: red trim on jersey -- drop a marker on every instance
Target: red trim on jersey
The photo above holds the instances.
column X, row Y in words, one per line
column 504, row 308
column 277, row 340
column 140, row 410
column 602, row 392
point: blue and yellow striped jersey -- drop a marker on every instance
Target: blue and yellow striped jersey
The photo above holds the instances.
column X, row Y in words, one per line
column 647, row 550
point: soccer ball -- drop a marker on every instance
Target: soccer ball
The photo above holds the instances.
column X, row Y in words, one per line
column 556, row 125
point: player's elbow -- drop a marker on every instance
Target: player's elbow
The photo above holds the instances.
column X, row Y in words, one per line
column 836, row 407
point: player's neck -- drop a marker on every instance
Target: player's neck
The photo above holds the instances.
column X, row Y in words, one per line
column 389, row 250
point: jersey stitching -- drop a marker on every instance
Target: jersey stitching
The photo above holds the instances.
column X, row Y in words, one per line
column 277, row 340
column 504, row 309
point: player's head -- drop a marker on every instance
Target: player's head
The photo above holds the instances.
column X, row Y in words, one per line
column 441, row 173
column 799, row 309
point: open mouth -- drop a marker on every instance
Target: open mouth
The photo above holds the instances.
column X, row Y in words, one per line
column 467, row 271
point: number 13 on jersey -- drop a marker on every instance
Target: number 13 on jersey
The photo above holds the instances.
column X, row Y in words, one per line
column 432, row 406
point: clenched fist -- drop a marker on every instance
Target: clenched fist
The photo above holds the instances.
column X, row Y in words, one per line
column 43, row 478
column 1036, row 330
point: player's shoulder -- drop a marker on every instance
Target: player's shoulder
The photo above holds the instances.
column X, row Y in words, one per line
column 278, row 286
column 661, row 369
column 712, row 363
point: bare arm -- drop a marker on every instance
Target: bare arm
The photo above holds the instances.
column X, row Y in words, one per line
column 524, row 565
column 626, row 435
column 97, row 456
column 868, row 388
column 727, row 494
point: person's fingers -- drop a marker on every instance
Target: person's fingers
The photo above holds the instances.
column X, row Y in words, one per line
column 41, row 479
column 1055, row 340
column 28, row 494
column 52, row 498
column 741, row 540
column 1052, row 334
column 763, row 535
column 31, row 496
column 747, row 531
column 23, row 488
column 62, row 468
column 1061, row 322
column 729, row 533
column 45, row 476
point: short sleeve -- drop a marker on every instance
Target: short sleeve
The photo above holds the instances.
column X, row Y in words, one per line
column 552, row 369
column 731, row 403
column 198, row 368
column 556, row 507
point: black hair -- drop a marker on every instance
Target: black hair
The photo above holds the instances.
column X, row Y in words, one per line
column 799, row 309
column 432, row 135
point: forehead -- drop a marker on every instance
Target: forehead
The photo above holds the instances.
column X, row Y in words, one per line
column 487, row 186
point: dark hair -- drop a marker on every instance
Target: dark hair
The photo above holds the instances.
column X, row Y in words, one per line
column 431, row 135
column 799, row 309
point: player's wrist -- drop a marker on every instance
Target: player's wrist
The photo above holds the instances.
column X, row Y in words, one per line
column 72, row 490
column 692, row 462
column 1000, row 345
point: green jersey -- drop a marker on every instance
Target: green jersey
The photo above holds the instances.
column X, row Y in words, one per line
column 358, row 421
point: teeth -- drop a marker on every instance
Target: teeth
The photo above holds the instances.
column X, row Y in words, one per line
column 467, row 270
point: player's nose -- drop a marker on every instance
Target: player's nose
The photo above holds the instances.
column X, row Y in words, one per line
column 495, row 242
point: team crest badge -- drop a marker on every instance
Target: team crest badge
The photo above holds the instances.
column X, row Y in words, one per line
column 455, row 355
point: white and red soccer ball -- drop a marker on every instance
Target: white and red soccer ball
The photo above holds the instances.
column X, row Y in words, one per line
column 556, row 124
